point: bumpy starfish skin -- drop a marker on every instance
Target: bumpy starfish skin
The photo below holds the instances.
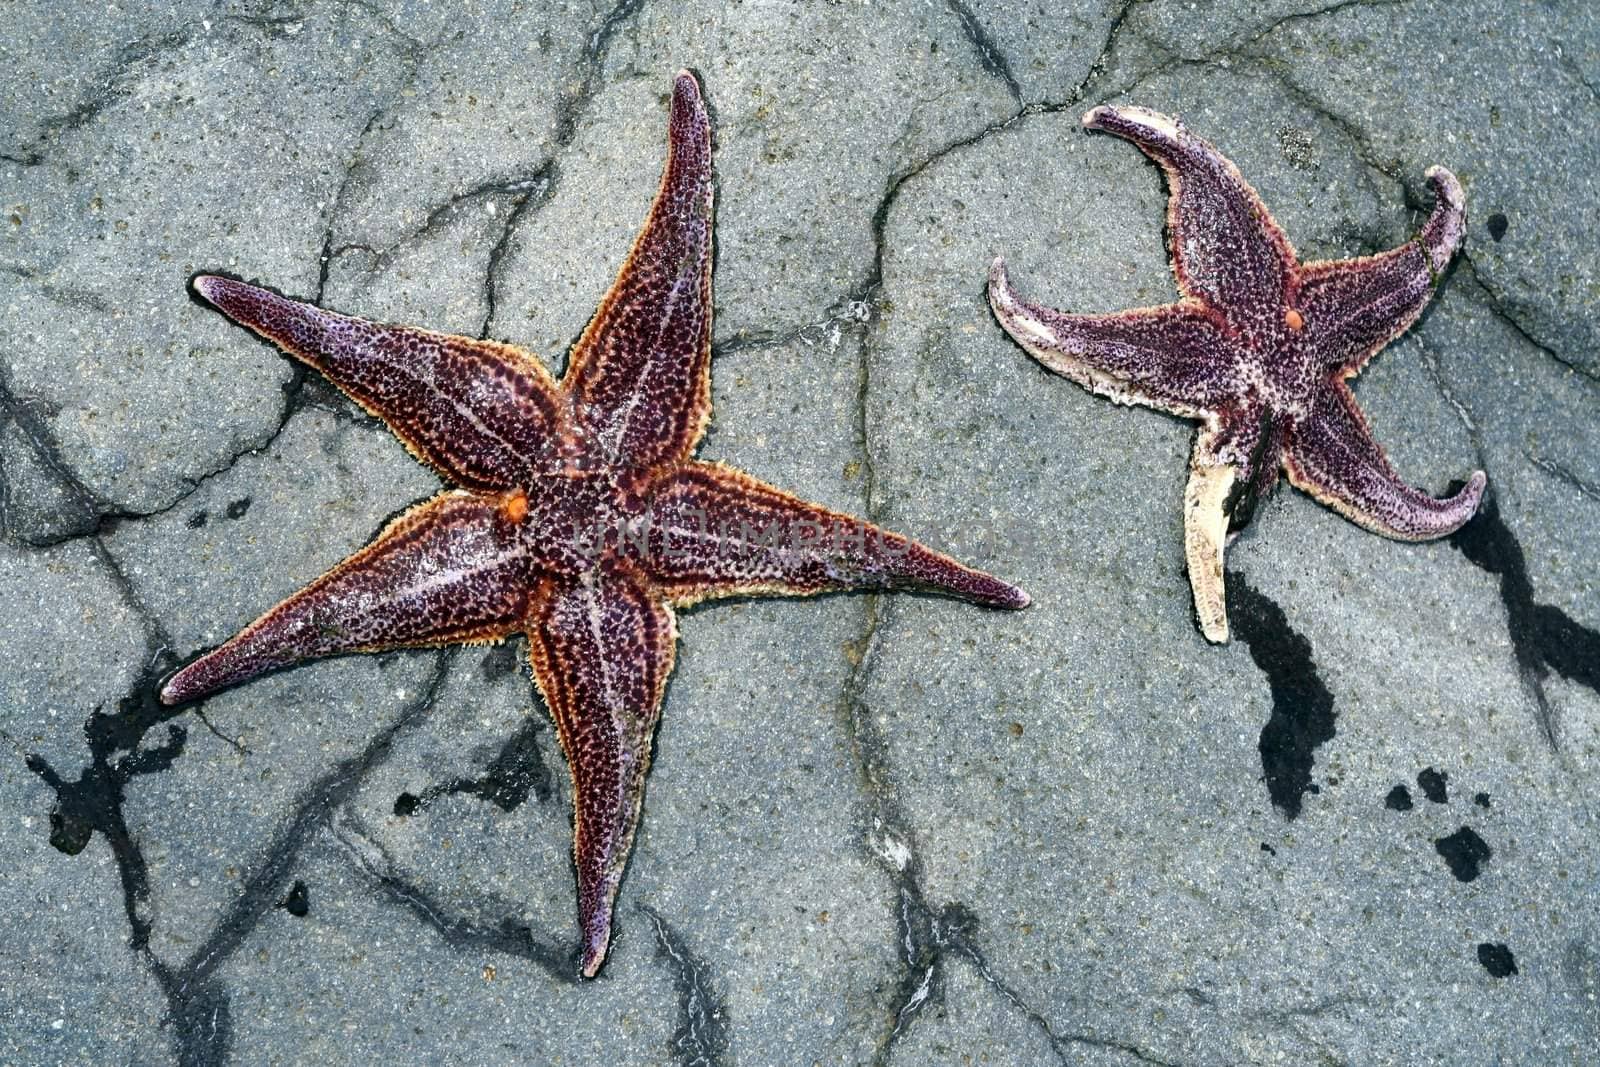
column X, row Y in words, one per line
column 1259, row 349
column 580, row 521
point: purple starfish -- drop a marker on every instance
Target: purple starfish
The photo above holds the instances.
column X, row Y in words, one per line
column 581, row 520
column 1258, row 349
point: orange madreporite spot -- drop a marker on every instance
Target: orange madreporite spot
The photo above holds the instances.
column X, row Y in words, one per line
column 1292, row 319
column 514, row 506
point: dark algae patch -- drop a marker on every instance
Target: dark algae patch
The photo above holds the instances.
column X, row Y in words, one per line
column 1497, row 959
column 1543, row 637
column 1432, row 783
column 1465, row 852
column 499, row 661
column 516, row 771
column 1302, row 707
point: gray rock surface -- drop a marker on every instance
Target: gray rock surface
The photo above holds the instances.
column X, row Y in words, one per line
column 878, row 829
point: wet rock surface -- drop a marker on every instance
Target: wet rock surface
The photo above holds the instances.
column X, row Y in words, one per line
column 878, row 828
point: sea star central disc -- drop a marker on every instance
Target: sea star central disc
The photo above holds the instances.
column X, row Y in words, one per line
column 581, row 518
column 1259, row 349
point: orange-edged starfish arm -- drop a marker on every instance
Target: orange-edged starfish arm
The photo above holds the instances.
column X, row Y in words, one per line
column 452, row 569
column 602, row 649
column 1353, row 307
column 713, row 531
column 1169, row 357
column 1239, row 261
column 484, row 414
column 1333, row 457
column 639, row 375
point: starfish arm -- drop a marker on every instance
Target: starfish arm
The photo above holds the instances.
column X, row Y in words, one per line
column 640, row 373
column 1173, row 357
column 1234, row 466
column 451, row 569
column 601, row 653
column 714, row 532
column 1331, row 455
column 485, row 415
column 1205, row 539
column 1226, row 248
column 1353, row 307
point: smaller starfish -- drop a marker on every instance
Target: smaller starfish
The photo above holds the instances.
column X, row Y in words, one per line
column 1258, row 349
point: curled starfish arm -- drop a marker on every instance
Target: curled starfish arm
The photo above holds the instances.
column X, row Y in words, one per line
column 716, row 532
column 1226, row 248
column 1331, row 455
column 483, row 414
column 1351, row 308
column 601, row 651
column 1169, row 357
column 640, row 373
column 449, row 570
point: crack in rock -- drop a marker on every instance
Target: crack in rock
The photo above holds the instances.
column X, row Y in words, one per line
column 927, row 937
column 198, row 1012
column 701, row 1039
column 990, row 56
column 508, row 937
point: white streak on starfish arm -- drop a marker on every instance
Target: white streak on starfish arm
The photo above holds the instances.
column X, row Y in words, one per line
column 444, row 572
column 1442, row 233
column 601, row 652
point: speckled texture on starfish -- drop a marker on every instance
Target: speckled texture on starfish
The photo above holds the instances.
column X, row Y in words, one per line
column 1258, row 349
column 580, row 518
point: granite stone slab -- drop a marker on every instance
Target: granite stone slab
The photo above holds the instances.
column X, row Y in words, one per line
column 878, row 829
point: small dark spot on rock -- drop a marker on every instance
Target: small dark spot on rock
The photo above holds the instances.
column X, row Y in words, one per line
column 197, row 520
column 406, row 804
column 499, row 661
column 1498, row 224
column 1465, row 853
column 237, row 509
column 298, row 902
column 1268, row 848
column 1433, row 785
column 1481, row 799
column 1497, row 959
column 1297, row 147
column 1399, row 799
